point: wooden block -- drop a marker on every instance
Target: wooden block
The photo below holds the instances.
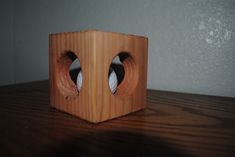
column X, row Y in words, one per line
column 95, row 50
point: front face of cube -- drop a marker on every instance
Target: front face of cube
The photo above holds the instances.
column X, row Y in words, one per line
column 94, row 101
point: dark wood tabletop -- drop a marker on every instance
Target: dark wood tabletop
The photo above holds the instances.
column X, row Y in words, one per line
column 173, row 124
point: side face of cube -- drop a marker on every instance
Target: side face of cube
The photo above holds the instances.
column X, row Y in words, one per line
column 64, row 49
column 130, row 95
column 95, row 50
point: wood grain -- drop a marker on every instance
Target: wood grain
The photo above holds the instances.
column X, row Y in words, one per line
column 173, row 124
column 95, row 51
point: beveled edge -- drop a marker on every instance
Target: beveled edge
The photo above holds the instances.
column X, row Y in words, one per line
column 96, row 30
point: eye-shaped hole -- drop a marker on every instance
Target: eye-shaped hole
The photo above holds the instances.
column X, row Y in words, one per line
column 116, row 74
column 122, row 76
column 75, row 73
column 68, row 70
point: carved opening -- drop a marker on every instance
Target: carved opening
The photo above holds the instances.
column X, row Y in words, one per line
column 123, row 75
column 69, row 68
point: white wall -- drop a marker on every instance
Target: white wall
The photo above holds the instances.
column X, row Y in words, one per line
column 191, row 43
column 6, row 43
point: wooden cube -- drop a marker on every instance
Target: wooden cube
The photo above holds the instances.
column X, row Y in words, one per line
column 95, row 50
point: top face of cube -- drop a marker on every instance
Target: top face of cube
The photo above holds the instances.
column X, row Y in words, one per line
column 98, row 31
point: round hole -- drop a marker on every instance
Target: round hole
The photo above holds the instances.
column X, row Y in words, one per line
column 69, row 69
column 122, row 75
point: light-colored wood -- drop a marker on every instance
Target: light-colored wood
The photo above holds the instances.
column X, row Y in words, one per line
column 95, row 51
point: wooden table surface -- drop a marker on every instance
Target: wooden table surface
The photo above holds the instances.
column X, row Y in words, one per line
column 174, row 124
